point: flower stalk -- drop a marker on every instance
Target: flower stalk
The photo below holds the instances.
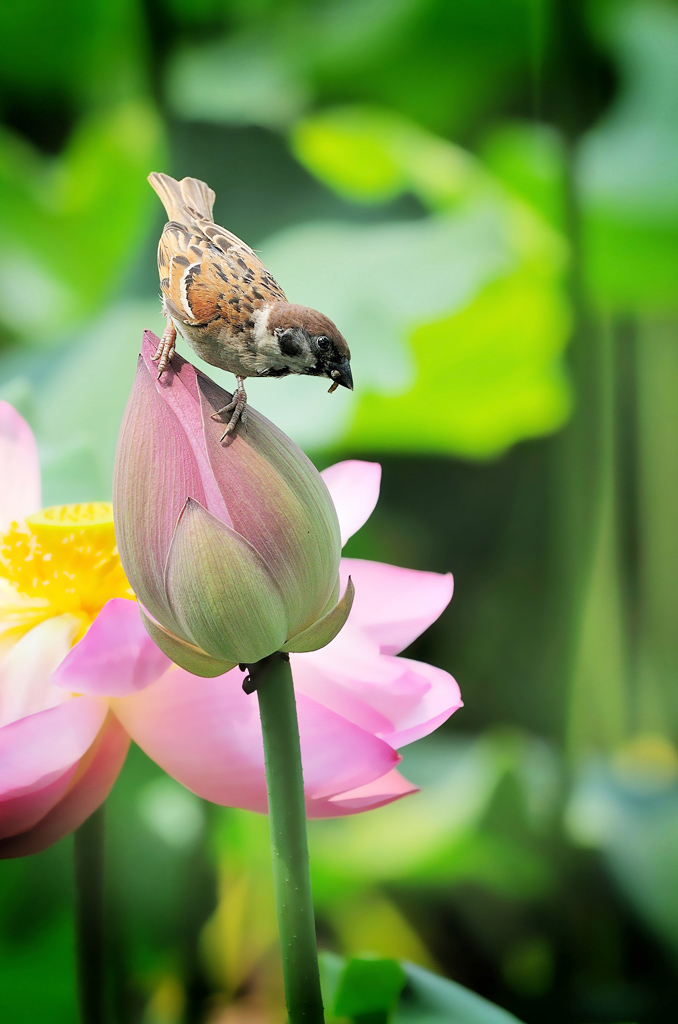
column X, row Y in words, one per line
column 272, row 679
column 88, row 854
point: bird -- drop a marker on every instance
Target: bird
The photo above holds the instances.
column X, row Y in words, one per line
column 220, row 297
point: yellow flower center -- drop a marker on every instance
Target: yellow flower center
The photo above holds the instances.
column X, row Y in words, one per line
column 62, row 560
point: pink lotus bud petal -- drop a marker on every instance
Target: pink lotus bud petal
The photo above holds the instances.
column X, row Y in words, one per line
column 153, row 458
column 278, row 501
column 253, row 559
column 220, row 590
column 323, row 630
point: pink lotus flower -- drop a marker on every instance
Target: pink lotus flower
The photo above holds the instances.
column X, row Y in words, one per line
column 69, row 702
column 59, row 756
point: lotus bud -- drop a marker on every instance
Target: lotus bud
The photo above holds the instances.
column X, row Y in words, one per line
column 231, row 548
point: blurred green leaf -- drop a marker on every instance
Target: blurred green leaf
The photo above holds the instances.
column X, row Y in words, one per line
column 657, row 396
column 371, row 989
column 364, row 985
column 162, row 888
column 430, row 999
column 69, row 224
column 530, row 160
column 37, row 975
column 74, row 52
column 486, row 376
column 441, row 64
column 489, row 370
column 443, row 834
column 627, row 807
column 75, row 399
column 627, row 167
column 462, row 315
column 372, row 155
column 241, row 80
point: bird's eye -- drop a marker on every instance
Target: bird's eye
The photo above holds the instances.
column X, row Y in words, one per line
column 323, row 342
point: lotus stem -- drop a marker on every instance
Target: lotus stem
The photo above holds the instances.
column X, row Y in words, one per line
column 272, row 679
column 88, row 852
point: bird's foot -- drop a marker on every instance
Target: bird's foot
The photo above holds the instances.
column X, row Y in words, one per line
column 237, row 409
column 165, row 350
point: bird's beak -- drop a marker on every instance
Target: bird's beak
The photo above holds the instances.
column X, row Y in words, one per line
column 341, row 374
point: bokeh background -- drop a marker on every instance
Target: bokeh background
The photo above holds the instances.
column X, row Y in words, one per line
column 483, row 194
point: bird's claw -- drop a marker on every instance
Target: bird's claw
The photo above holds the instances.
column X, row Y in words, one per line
column 238, row 410
column 220, row 416
column 165, row 350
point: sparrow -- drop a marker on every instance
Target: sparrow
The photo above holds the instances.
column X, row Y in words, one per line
column 221, row 298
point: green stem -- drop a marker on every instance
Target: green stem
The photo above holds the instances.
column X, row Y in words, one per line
column 657, row 381
column 272, row 678
column 598, row 711
column 89, row 917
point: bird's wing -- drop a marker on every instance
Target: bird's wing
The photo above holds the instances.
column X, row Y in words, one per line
column 207, row 272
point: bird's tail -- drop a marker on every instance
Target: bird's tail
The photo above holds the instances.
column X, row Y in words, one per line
column 178, row 197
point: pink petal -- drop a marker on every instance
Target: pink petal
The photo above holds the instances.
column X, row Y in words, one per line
column 92, row 783
column 206, row 733
column 41, row 746
column 323, row 678
column 22, row 812
column 354, row 486
column 116, row 656
column 397, row 699
column 19, row 468
column 393, row 605
column 385, row 790
column 26, row 670
column 440, row 699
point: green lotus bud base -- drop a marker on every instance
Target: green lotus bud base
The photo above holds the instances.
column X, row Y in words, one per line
column 272, row 680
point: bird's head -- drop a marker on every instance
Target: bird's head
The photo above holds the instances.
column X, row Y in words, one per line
column 310, row 344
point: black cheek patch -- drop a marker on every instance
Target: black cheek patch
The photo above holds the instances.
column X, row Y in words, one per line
column 288, row 344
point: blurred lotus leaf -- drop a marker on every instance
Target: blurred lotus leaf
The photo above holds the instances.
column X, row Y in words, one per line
column 361, row 986
column 627, row 808
column 430, row 999
column 627, row 166
column 442, row 64
column 75, row 419
column 52, row 989
column 370, row 155
column 529, row 159
column 378, row 991
column 448, row 833
column 486, row 376
column 461, row 315
column 69, row 54
column 242, row 80
column 68, row 223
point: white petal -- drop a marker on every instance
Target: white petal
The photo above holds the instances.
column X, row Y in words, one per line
column 26, row 670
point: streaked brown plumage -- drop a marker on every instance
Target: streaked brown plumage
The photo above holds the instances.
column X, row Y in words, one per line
column 218, row 294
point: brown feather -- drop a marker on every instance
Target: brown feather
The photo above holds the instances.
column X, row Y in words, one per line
column 202, row 265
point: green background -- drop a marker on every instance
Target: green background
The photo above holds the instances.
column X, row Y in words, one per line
column 483, row 194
